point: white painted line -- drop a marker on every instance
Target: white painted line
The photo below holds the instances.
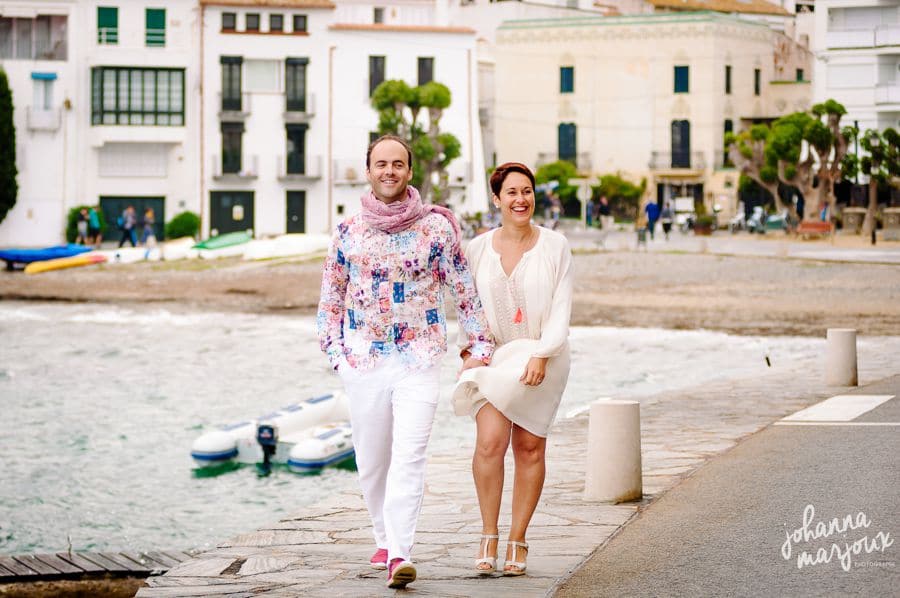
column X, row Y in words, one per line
column 786, row 423
column 841, row 408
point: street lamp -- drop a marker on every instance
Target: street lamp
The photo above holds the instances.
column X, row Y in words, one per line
column 874, row 142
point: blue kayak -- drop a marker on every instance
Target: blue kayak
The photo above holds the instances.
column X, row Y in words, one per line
column 27, row 256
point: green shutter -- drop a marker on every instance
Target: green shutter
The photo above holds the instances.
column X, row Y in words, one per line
column 156, row 27
column 107, row 25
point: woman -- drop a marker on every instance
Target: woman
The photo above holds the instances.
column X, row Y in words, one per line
column 524, row 279
column 148, row 239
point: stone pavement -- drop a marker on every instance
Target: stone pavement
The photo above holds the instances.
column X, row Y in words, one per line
column 324, row 550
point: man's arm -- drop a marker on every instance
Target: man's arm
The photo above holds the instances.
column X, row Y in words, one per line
column 455, row 274
column 330, row 316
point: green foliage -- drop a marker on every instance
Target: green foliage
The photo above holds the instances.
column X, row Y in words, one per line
column 72, row 221
column 769, row 173
column 623, row 195
column 560, row 171
column 9, row 189
column 398, row 107
column 185, row 224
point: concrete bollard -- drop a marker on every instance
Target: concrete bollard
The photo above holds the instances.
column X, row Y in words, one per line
column 614, row 452
column 840, row 357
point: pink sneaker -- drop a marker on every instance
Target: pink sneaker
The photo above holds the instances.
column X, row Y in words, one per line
column 400, row 573
column 379, row 559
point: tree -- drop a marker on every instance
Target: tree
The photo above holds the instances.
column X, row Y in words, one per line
column 883, row 167
column 9, row 189
column 747, row 151
column 399, row 107
column 623, row 195
column 560, row 171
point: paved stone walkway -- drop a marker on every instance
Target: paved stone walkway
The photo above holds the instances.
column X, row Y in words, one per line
column 324, row 550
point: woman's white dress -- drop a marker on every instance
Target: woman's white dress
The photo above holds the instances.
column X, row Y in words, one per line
column 528, row 313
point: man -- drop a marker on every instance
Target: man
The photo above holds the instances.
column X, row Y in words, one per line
column 127, row 222
column 652, row 211
column 381, row 323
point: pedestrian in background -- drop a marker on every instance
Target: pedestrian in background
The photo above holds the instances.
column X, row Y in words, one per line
column 666, row 217
column 81, row 226
column 652, row 212
column 95, row 236
column 148, row 239
column 381, row 323
column 127, row 222
column 524, row 276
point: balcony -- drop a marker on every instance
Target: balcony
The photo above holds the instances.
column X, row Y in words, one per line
column 312, row 169
column 887, row 35
column 108, row 35
column 249, row 169
column 582, row 160
column 234, row 108
column 38, row 119
column 850, row 38
column 297, row 112
column 722, row 161
column 887, row 93
column 348, row 171
column 677, row 161
column 155, row 38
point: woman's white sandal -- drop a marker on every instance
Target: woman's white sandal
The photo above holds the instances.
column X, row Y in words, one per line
column 486, row 560
column 520, row 566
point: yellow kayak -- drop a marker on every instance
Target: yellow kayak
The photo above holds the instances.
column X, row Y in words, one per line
column 84, row 259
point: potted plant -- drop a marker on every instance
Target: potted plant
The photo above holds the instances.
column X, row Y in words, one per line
column 703, row 225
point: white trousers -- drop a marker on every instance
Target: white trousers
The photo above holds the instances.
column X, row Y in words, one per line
column 391, row 411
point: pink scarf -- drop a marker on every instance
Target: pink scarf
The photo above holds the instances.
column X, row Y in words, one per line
column 400, row 215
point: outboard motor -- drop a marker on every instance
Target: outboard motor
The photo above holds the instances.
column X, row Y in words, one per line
column 267, row 437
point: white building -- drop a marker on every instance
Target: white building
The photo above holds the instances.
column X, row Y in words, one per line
column 857, row 47
column 42, row 65
column 108, row 114
column 650, row 96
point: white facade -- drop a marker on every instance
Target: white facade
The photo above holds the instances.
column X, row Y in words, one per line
column 626, row 112
column 857, row 46
column 46, row 84
column 126, row 140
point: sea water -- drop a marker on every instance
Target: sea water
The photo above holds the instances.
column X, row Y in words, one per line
column 99, row 406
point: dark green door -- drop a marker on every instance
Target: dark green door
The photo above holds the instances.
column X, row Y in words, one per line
column 230, row 212
column 296, row 211
column 113, row 206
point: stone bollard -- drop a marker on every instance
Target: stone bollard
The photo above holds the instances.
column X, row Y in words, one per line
column 614, row 452
column 840, row 357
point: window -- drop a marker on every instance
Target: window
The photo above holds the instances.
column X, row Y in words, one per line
column 229, row 21
column 799, row 74
column 232, row 134
column 41, row 38
column 426, row 70
column 299, row 23
column 378, row 15
column 295, row 84
column 567, row 142
column 276, row 22
column 137, row 96
column 376, row 72
column 43, row 91
column 681, row 79
column 231, row 82
column 156, row 27
column 252, row 22
column 681, row 144
column 727, row 78
column 566, row 79
column 296, row 148
column 107, row 25
column 757, row 81
column 729, row 128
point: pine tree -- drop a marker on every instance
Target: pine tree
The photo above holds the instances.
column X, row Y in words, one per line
column 8, row 187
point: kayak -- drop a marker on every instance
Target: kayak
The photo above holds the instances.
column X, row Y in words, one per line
column 286, row 246
column 226, row 240
column 60, row 263
column 27, row 256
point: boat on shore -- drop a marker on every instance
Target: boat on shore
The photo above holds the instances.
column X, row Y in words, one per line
column 227, row 245
column 308, row 435
column 60, row 263
column 28, row 256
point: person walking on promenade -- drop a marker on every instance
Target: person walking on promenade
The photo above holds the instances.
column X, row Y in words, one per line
column 652, row 212
column 381, row 323
column 148, row 238
column 666, row 217
column 127, row 222
column 81, row 226
column 94, row 235
column 523, row 273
